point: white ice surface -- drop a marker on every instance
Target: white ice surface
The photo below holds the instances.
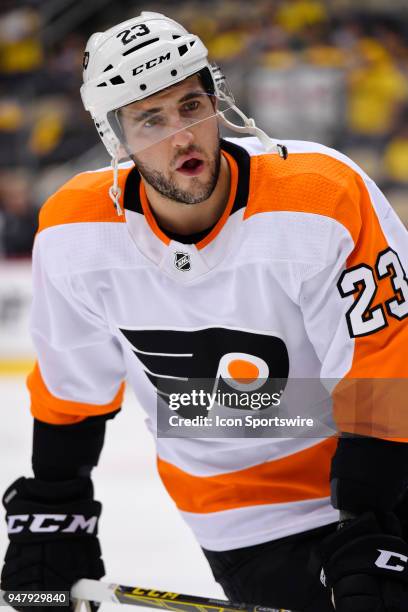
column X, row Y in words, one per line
column 144, row 540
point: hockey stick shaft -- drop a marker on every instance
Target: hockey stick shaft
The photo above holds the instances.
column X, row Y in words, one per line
column 95, row 590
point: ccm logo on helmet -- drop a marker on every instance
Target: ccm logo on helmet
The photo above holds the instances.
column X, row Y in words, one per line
column 151, row 63
column 386, row 556
column 50, row 523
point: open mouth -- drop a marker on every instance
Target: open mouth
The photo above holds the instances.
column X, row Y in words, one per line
column 191, row 167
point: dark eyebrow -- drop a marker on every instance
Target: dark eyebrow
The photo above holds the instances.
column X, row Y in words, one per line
column 190, row 95
column 147, row 113
column 152, row 111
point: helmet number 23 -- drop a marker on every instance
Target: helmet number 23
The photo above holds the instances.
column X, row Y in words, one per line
column 362, row 319
column 133, row 33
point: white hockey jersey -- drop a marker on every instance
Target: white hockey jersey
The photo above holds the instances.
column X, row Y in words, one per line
column 306, row 264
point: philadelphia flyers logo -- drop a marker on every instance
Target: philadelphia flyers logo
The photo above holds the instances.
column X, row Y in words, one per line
column 221, row 358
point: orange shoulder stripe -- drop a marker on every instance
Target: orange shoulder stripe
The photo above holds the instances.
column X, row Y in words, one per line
column 85, row 198
column 305, row 182
column 55, row 411
column 303, row 475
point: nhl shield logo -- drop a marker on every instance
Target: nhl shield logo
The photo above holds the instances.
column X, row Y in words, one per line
column 182, row 261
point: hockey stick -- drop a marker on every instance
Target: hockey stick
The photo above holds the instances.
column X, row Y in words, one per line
column 94, row 590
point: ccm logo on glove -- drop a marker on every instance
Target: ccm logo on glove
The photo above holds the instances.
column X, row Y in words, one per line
column 50, row 523
column 386, row 556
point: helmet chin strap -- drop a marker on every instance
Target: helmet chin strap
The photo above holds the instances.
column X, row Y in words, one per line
column 114, row 190
column 249, row 127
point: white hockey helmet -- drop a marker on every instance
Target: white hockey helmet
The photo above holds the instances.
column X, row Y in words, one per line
column 136, row 59
column 140, row 57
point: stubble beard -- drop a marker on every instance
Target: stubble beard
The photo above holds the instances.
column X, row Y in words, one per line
column 167, row 186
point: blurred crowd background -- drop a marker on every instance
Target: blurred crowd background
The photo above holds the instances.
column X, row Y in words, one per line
column 334, row 71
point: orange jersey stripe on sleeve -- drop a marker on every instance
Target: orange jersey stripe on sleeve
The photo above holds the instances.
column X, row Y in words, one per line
column 378, row 354
column 55, row 411
column 371, row 398
column 290, row 479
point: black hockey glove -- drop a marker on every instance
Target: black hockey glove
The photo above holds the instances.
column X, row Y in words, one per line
column 52, row 527
column 365, row 565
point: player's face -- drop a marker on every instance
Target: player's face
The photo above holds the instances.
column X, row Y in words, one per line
column 175, row 134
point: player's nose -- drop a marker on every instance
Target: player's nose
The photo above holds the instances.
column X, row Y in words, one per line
column 182, row 138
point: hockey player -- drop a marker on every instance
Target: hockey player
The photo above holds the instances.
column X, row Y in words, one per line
column 222, row 259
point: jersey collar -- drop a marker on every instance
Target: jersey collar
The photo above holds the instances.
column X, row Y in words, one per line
column 208, row 251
